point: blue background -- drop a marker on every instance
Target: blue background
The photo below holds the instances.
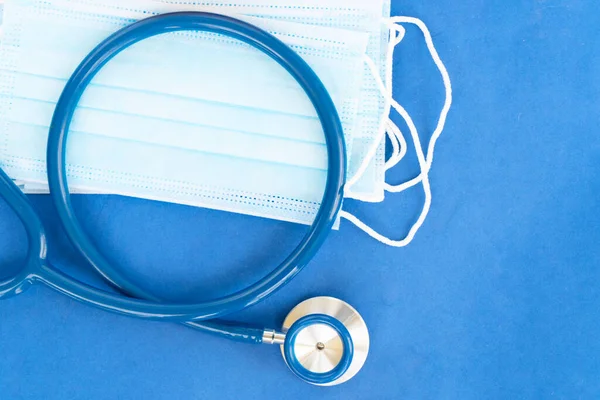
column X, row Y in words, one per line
column 497, row 297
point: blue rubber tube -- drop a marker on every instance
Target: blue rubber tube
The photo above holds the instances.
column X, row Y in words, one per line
column 151, row 307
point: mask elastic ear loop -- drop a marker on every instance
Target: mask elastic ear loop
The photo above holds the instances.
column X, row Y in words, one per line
column 395, row 148
column 447, row 103
column 397, row 33
column 399, row 146
column 424, row 162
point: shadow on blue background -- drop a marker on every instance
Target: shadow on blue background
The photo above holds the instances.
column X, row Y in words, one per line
column 497, row 297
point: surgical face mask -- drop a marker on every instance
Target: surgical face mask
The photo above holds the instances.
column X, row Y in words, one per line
column 371, row 149
column 129, row 140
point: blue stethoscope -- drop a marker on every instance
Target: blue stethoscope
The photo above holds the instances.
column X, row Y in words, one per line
column 324, row 341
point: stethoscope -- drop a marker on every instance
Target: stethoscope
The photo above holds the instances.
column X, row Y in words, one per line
column 324, row 341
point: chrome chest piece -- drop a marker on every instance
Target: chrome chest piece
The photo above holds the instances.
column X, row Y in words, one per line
column 326, row 341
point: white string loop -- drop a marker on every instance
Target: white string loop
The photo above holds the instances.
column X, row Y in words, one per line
column 425, row 161
column 399, row 146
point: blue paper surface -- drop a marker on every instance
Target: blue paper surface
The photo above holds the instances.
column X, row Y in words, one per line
column 497, row 298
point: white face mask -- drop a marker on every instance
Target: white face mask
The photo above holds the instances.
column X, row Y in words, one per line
column 368, row 166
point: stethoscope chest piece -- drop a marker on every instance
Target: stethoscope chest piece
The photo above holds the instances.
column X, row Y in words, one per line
column 327, row 341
